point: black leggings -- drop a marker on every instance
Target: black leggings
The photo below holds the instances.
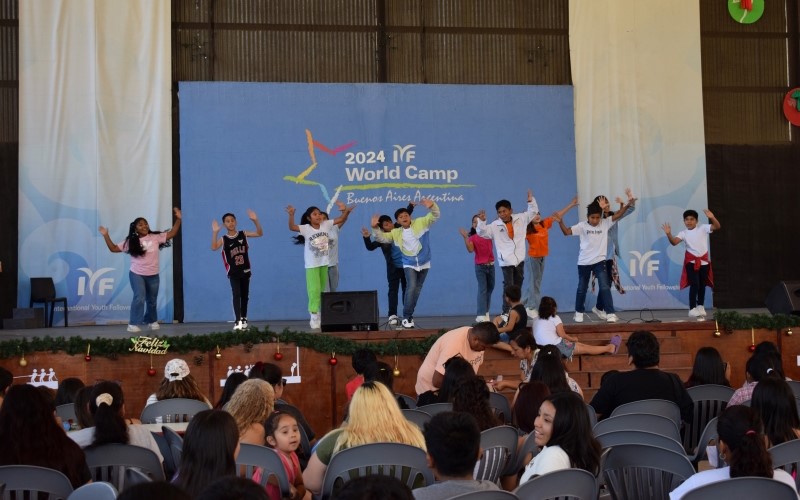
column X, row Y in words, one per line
column 240, row 287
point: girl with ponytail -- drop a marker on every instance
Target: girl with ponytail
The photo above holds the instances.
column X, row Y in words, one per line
column 742, row 445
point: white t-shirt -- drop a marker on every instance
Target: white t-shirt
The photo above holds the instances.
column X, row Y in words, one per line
column 316, row 252
column 594, row 241
column 696, row 239
column 544, row 330
column 715, row 475
column 551, row 458
column 448, row 345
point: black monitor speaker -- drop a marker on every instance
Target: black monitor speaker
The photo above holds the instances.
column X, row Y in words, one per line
column 784, row 298
column 350, row 311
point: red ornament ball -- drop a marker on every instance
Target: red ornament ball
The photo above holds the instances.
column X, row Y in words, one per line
column 333, row 361
column 751, row 348
column 151, row 372
column 88, row 357
column 278, row 356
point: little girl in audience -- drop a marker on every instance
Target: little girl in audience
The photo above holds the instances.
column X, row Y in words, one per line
column 549, row 330
column 283, row 434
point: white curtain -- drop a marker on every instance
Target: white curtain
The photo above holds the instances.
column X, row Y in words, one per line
column 639, row 124
column 95, row 145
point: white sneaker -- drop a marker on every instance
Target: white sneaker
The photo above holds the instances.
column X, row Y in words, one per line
column 155, row 326
column 393, row 320
column 408, row 323
column 601, row 314
column 134, row 329
column 532, row 313
column 701, row 310
column 611, row 318
column 315, row 323
column 237, row 325
column 578, row 317
column 244, row 323
column 694, row 312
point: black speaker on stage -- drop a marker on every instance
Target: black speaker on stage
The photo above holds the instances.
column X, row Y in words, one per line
column 784, row 298
column 350, row 311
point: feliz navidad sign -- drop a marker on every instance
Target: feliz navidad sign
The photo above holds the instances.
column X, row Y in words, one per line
column 149, row 345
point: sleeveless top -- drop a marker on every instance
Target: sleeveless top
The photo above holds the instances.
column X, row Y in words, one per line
column 234, row 254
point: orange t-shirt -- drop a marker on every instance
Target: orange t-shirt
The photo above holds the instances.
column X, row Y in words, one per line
column 537, row 242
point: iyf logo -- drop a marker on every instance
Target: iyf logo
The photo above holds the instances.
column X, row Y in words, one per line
column 97, row 284
column 643, row 264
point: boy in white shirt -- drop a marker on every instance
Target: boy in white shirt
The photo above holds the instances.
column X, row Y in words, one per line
column 592, row 256
column 696, row 273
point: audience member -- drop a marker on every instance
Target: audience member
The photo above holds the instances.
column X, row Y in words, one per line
column 274, row 375
column 454, row 446
column 233, row 381
column 160, row 490
column 775, row 403
column 373, row 486
column 210, row 448
column 82, row 412
column 563, row 431
column 31, row 436
column 67, row 390
column 107, row 406
column 709, row 368
column 178, row 382
column 374, row 418
column 283, row 435
column 472, row 396
column 758, row 366
column 6, row 379
column 468, row 342
column 524, row 348
column 361, row 360
column 549, row 368
column 383, row 373
column 526, row 407
column 456, row 371
column 250, row 406
column 742, row 446
column 644, row 382
column 233, row 488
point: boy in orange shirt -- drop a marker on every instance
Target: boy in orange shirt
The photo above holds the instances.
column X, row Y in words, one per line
column 538, row 247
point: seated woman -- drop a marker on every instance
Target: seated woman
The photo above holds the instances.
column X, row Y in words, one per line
column 563, row 431
column 523, row 348
column 709, row 368
column 456, row 370
column 210, row 448
column 178, row 382
column 472, row 396
column 233, row 381
column 550, row 369
column 742, row 445
column 250, row 406
column 775, row 403
column 107, row 406
column 31, row 436
column 273, row 374
column 374, row 418
column 549, row 330
column 67, row 390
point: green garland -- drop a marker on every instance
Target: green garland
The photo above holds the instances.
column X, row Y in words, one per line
column 112, row 348
column 733, row 320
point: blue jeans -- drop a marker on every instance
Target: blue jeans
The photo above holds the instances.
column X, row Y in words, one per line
column 414, row 281
column 534, row 268
column 485, row 275
column 145, row 291
column 396, row 277
column 584, row 273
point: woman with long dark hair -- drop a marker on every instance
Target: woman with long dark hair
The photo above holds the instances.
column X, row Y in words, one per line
column 562, row 430
column 233, row 381
column 107, row 406
column 210, row 448
column 742, row 446
column 31, row 436
column 775, row 403
column 456, row 371
column 550, row 369
column 472, row 396
column 143, row 245
column 708, row 368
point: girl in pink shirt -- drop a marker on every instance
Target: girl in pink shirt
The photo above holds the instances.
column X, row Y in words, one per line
column 484, row 267
column 143, row 245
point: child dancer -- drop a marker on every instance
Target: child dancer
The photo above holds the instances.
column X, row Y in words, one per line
column 696, row 272
column 592, row 256
column 333, row 244
column 613, row 249
column 237, row 261
column 143, row 245
column 538, row 248
column 484, row 267
column 283, row 434
column 413, row 240
column 313, row 231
